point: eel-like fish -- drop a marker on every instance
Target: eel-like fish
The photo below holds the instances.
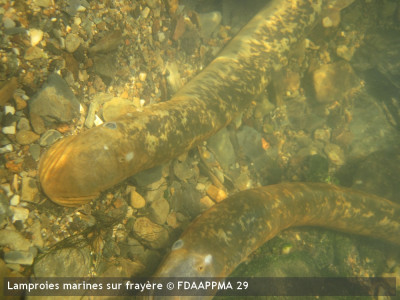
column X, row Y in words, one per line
column 76, row 169
column 223, row 236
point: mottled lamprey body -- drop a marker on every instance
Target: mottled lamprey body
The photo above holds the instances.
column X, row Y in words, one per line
column 223, row 236
column 78, row 168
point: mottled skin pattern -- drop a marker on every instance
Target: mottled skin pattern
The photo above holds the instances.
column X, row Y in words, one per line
column 223, row 236
column 78, row 168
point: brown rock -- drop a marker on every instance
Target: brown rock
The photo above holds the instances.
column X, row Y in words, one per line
column 7, row 91
column 215, row 193
column 37, row 123
column 26, row 137
column 159, row 210
column 137, row 201
column 152, row 234
column 332, row 82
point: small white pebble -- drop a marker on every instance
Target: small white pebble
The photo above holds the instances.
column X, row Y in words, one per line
column 9, row 110
column 77, row 21
column 142, row 76
column 142, row 102
column 19, row 213
column 145, row 12
column 98, row 121
column 6, row 149
column 10, row 129
column 7, row 189
column 36, row 36
column 14, row 201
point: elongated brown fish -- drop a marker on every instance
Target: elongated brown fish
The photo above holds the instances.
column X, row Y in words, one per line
column 223, row 236
column 78, row 168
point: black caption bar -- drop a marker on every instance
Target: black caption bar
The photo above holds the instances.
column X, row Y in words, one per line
column 260, row 286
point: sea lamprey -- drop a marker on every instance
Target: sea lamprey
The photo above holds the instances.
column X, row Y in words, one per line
column 78, row 168
column 223, row 236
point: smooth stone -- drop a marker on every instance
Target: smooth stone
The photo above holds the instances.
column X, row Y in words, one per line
column 23, row 124
column 332, row 82
column 19, row 213
column 34, row 150
column 136, row 200
column 220, row 145
column 209, row 22
column 49, row 137
column 72, row 42
column 33, row 53
column 55, row 102
column 37, row 123
column 152, row 234
column 335, row 154
column 14, row 240
column 67, row 262
column 36, row 36
column 29, row 189
column 19, row 257
column 26, row 137
column 11, row 129
column 15, row 200
column 159, row 211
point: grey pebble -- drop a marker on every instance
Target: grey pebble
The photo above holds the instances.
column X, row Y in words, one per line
column 19, row 257
column 55, row 102
column 14, row 240
column 34, row 150
column 49, row 137
column 23, row 124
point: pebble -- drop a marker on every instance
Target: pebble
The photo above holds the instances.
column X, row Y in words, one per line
column 322, row 134
column 334, row 81
column 108, row 43
column 37, row 123
column 152, row 234
column 23, row 124
column 26, row 137
column 66, row 262
column 15, row 200
column 34, row 150
column 136, row 200
column 345, row 52
column 145, row 12
column 209, row 22
column 49, row 137
column 216, row 194
column 43, row 3
column 7, row 90
column 206, row 202
column 54, row 102
column 8, row 23
column 159, row 211
column 8, row 109
column 335, row 154
column 29, row 189
column 11, row 129
column 6, row 149
column 19, row 257
column 220, row 145
column 33, row 53
column 19, row 213
column 36, row 36
column 184, row 170
column 72, row 42
column 14, row 240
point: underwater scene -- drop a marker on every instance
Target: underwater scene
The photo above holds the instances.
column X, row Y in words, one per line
column 253, row 142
